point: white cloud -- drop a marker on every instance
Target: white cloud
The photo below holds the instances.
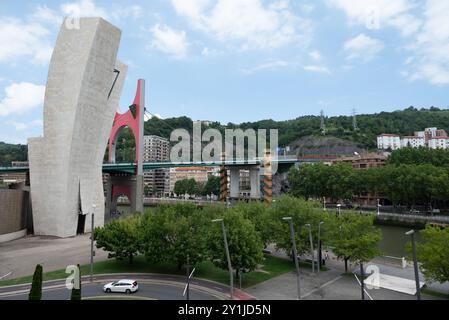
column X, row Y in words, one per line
column 21, row 98
column 431, row 48
column 133, row 11
column 363, row 47
column 20, row 126
column 315, row 55
column 375, row 14
column 47, row 15
column 83, row 8
column 271, row 65
column 250, row 23
column 317, row 69
column 170, row 41
column 20, row 39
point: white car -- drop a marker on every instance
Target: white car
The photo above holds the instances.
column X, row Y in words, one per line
column 122, row 286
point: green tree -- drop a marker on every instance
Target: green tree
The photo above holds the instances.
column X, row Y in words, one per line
column 186, row 186
column 76, row 293
column 433, row 253
column 259, row 215
column 36, row 285
column 121, row 238
column 212, row 186
column 245, row 246
column 354, row 237
column 174, row 233
column 320, row 180
column 302, row 212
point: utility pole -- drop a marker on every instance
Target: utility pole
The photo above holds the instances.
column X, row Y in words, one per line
column 354, row 120
column 225, row 239
column 188, row 278
column 362, row 280
column 92, row 249
column 295, row 254
column 312, row 251
column 323, row 123
column 412, row 234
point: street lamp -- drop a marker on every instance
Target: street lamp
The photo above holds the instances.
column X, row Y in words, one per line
column 94, row 206
column 311, row 247
column 295, row 253
column 189, row 277
column 339, row 209
column 319, row 246
column 324, row 204
column 412, row 233
column 225, row 239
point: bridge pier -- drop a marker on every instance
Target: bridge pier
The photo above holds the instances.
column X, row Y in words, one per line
column 124, row 185
column 254, row 175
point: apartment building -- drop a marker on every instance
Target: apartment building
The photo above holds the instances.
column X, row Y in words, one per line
column 432, row 138
column 156, row 182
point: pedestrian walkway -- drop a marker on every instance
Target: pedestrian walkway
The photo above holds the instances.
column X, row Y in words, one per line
column 20, row 257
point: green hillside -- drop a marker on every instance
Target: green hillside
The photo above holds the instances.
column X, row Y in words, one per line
column 403, row 122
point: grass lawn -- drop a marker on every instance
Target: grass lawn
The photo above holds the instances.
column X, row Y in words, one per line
column 270, row 268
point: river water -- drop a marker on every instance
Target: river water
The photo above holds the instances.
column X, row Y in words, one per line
column 394, row 241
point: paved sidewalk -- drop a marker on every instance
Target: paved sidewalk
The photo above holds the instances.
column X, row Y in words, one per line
column 21, row 256
column 329, row 285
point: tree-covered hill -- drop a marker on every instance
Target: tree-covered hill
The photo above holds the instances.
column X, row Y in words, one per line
column 403, row 122
column 10, row 152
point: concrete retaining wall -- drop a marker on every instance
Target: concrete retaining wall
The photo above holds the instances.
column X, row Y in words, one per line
column 13, row 210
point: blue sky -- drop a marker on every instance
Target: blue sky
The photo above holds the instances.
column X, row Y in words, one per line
column 240, row 60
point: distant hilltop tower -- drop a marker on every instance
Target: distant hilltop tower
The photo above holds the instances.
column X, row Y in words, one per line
column 354, row 120
column 323, row 123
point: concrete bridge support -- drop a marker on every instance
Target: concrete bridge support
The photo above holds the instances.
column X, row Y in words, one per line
column 254, row 175
column 235, row 183
column 123, row 185
column 254, row 181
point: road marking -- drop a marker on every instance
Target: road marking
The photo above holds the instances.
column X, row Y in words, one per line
column 323, row 286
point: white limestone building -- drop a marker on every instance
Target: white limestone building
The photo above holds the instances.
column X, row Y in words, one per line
column 82, row 95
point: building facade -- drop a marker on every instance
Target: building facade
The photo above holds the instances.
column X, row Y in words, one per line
column 388, row 141
column 156, row 182
column 364, row 162
column 432, row 138
column 199, row 174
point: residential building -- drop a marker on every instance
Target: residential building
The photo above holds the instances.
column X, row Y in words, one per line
column 200, row 174
column 432, row 138
column 413, row 142
column 156, row 149
column 364, row 162
column 389, row 141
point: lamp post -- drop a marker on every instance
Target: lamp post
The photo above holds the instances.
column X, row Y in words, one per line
column 362, row 280
column 339, row 209
column 311, row 247
column 324, row 204
column 412, row 233
column 319, row 246
column 378, row 207
column 295, row 254
column 221, row 221
column 92, row 244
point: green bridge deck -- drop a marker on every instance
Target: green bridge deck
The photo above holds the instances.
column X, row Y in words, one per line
column 130, row 168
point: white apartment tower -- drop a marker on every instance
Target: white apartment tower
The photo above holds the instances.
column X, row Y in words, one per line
column 156, row 149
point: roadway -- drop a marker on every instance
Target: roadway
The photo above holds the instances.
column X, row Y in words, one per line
column 151, row 287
